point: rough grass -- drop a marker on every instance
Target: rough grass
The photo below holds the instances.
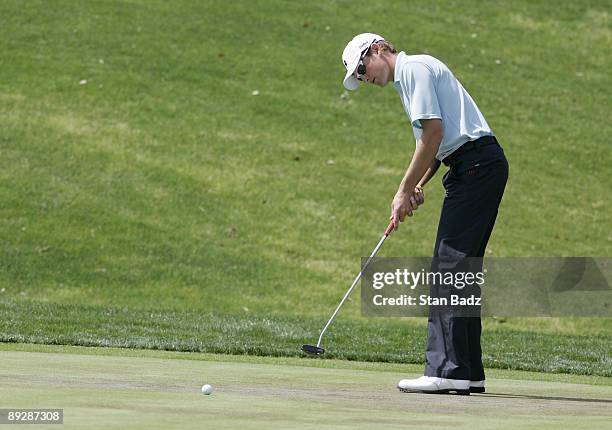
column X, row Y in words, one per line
column 397, row 341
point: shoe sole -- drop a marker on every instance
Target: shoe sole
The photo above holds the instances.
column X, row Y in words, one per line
column 477, row 389
column 445, row 391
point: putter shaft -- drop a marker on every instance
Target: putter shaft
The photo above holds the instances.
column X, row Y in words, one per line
column 350, row 290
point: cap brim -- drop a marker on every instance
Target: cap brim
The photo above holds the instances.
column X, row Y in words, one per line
column 350, row 81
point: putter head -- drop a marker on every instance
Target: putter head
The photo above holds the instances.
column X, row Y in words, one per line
column 312, row 350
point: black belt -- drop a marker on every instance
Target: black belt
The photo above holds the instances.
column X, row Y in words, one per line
column 468, row 146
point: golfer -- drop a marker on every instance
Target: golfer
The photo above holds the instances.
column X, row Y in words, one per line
column 449, row 128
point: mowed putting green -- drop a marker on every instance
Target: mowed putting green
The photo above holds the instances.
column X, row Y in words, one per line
column 129, row 389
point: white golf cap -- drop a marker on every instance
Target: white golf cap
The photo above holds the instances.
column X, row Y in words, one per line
column 353, row 52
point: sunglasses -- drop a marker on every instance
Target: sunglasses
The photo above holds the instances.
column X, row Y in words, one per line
column 361, row 68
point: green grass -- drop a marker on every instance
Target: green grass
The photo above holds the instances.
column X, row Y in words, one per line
column 397, row 341
column 110, row 388
column 163, row 184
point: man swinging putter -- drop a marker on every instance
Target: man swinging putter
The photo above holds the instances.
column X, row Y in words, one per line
column 449, row 128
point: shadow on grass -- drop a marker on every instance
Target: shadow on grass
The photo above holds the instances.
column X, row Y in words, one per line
column 526, row 396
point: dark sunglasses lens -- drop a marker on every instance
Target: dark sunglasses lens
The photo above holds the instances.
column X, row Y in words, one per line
column 361, row 70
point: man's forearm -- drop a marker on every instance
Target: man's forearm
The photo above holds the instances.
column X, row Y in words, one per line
column 429, row 173
column 422, row 160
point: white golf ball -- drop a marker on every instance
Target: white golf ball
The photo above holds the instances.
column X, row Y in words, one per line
column 207, row 389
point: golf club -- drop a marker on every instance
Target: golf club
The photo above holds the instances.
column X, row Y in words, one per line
column 317, row 350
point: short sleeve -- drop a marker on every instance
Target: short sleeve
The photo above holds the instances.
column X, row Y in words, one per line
column 422, row 94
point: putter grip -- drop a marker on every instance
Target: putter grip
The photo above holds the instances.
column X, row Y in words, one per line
column 389, row 229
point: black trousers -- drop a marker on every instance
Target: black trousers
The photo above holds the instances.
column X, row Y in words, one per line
column 474, row 187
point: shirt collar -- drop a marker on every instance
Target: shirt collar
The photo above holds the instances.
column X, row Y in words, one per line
column 396, row 76
column 398, row 62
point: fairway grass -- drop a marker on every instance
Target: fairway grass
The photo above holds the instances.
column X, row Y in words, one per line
column 163, row 182
column 127, row 389
column 192, row 176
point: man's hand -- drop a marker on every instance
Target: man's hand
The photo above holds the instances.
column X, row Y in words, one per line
column 404, row 204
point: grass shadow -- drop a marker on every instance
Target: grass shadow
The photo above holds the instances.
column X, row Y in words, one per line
column 531, row 397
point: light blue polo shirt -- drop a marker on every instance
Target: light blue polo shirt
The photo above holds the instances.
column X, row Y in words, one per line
column 428, row 89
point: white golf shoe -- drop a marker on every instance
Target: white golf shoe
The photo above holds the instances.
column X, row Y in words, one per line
column 433, row 385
